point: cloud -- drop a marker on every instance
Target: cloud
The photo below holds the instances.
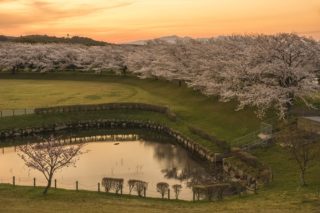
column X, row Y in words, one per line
column 43, row 12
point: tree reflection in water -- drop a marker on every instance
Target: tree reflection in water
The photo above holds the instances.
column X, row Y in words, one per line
column 178, row 165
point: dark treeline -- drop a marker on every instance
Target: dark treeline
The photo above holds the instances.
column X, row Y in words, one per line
column 33, row 39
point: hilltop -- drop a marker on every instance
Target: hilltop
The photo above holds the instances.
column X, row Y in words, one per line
column 53, row 39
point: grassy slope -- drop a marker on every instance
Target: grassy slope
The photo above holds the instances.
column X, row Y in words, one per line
column 192, row 107
column 282, row 195
column 35, row 120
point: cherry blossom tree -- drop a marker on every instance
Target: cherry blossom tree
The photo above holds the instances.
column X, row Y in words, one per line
column 49, row 156
column 264, row 72
column 260, row 71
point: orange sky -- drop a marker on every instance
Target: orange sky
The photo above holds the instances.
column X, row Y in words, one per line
column 127, row 20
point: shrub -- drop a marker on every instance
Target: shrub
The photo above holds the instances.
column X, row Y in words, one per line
column 177, row 189
column 163, row 188
column 210, row 191
column 139, row 186
column 115, row 184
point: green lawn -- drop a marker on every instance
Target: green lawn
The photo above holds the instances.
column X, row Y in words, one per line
column 217, row 118
column 31, row 93
column 29, row 199
column 192, row 108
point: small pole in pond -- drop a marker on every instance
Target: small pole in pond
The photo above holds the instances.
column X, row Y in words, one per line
column 168, row 194
column 14, row 180
column 77, row 185
column 98, row 187
column 55, row 183
column 34, row 182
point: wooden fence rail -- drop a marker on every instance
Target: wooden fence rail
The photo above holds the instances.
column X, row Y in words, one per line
column 16, row 112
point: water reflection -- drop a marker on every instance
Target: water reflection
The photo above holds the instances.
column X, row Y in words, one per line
column 149, row 161
column 181, row 165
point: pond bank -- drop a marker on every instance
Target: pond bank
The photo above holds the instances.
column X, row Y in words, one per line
column 246, row 179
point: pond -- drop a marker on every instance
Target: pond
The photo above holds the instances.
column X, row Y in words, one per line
column 130, row 158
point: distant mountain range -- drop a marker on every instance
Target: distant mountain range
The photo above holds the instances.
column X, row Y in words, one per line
column 169, row 39
column 53, row 39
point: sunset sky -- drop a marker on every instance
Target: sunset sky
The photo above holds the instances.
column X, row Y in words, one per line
column 128, row 20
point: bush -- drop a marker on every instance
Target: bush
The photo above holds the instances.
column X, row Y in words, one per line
column 115, row 184
column 139, row 186
column 210, row 191
column 163, row 188
column 177, row 189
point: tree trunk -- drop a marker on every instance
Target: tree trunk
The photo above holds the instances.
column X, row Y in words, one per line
column 180, row 83
column 302, row 178
column 49, row 183
column 124, row 70
column 48, row 186
column 289, row 104
column 13, row 71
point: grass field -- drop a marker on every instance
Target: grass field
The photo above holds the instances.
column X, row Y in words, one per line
column 192, row 108
column 217, row 118
column 29, row 199
column 30, row 93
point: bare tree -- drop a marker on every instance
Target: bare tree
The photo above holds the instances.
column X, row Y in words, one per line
column 303, row 148
column 162, row 188
column 49, row 156
column 177, row 189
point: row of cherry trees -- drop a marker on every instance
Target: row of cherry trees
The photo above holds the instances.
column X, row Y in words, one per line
column 260, row 71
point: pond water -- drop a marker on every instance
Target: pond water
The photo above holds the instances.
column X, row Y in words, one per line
column 140, row 159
